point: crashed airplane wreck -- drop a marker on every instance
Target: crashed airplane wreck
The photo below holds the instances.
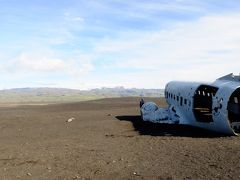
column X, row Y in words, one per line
column 212, row 106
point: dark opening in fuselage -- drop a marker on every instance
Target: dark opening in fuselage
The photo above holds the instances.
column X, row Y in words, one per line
column 202, row 103
column 234, row 110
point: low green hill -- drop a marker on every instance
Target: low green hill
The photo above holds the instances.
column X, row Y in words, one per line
column 55, row 95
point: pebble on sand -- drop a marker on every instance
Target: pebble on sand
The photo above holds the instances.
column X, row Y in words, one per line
column 70, row 120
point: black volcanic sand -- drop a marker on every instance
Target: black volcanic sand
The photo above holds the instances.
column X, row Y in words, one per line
column 107, row 140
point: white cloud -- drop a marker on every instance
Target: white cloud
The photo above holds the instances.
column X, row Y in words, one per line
column 80, row 19
column 34, row 62
column 174, row 6
column 37, row 68
column 147, row 10
column 69, row 16
column 198, row 50
column 48, row 61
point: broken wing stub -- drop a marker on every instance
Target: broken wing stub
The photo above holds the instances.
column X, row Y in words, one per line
column 152, row 113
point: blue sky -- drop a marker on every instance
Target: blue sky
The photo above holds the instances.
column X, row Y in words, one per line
column 106, row 43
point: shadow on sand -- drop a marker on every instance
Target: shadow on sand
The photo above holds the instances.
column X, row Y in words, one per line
column 154, row 129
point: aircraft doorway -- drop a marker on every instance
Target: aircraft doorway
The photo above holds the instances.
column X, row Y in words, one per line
column 234, row 110
column 202, row 103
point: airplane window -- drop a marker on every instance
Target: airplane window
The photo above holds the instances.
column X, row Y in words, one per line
column 174, row 97
column 177, row 98
column 236, row 100
column 181, row 101
column 173, row 109
column 185, row 101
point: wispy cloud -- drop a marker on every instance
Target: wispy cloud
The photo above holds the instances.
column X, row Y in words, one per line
column 50, row 62
column 110, row 43
column 184, row 52
column 32, row 62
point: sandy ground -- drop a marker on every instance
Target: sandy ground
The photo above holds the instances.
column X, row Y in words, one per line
column 107, row 140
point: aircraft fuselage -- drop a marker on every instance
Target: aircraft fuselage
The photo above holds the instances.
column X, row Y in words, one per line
column 213, row 106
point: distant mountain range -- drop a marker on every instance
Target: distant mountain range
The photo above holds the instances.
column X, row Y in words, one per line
column 42, row 95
